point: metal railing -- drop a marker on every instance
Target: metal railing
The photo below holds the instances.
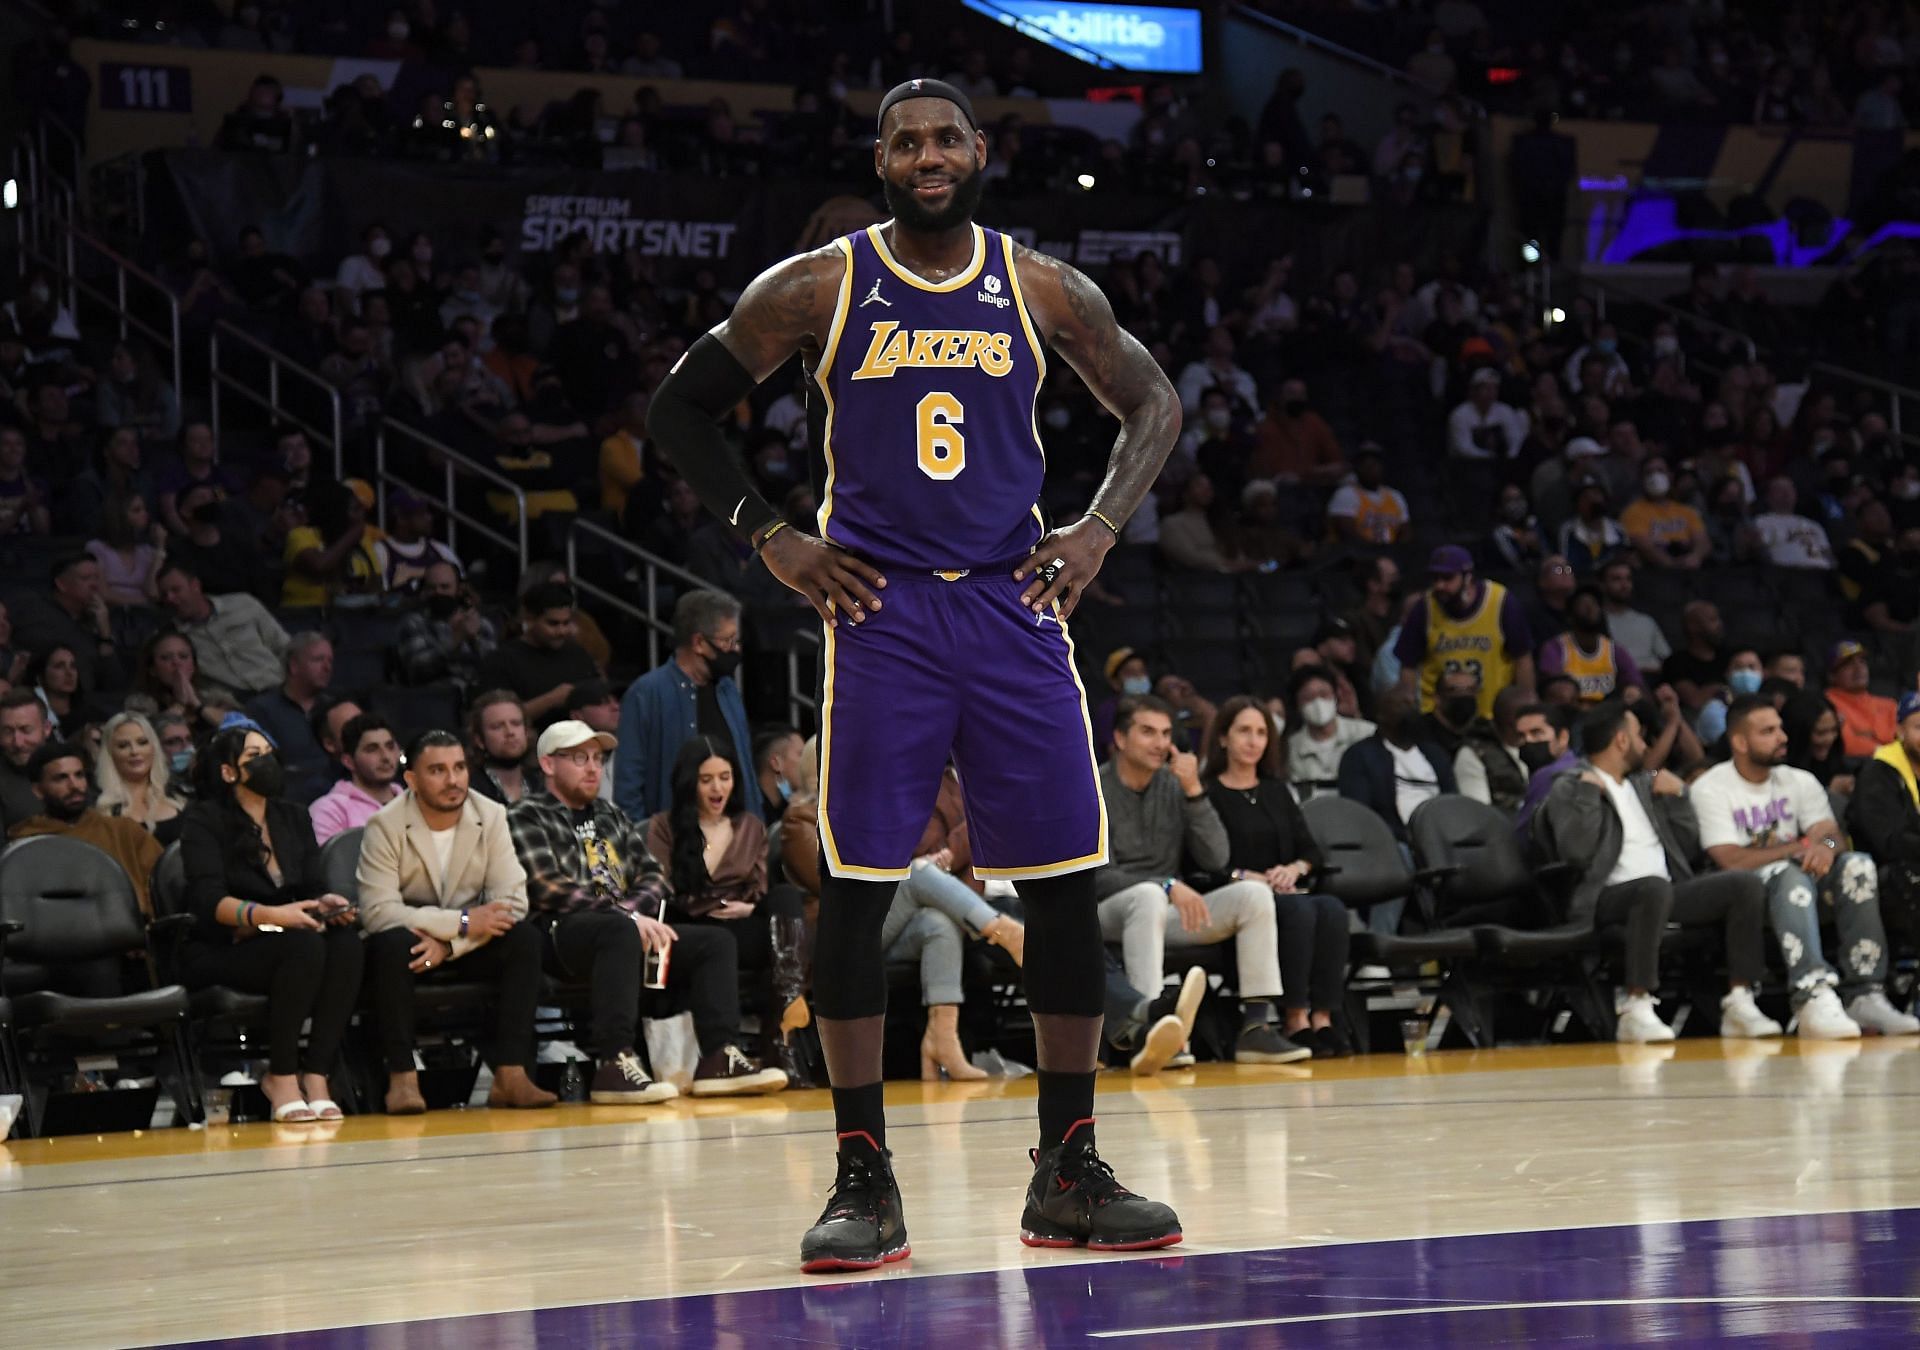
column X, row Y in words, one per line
column 652, row 568
column 1306, row 37
column 448, row 466
column 226, row 336
column 803, row 658
column 58, row 244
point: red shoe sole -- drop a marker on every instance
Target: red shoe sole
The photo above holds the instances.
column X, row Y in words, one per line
column 1171, row 1239
column 836, row 1263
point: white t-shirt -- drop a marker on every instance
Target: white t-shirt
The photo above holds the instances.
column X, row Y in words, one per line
column 1732, row 810
column 1414, row 780
column 1641, row 852
column 442, row 850
column 1794, row 541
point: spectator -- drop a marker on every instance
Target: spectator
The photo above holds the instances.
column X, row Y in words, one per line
column 264, row 921
column 23, row 497
column 1187, row 537
column 24, row 728
column 1127, row 675
column 1489, row 766
column 331, row 558
column 1392, row 772
column 1553, row 586
column 198, row 466
column 130, row 550
column 715, row 851
column 1378, row 611
column 1516, row 538
column 134, row 394
column 1546, row 746
column 1294, row 444
column 236, row 642
column 268, row 282
column 1729, row 526
column 1757, row 815
column 1556, row 479
column 134, row 778
column 286, row 713
column 627, row 469
column 1665, row 533
column 1216, row 369
column 1867, row 720
column 1884, row 818
column 1322, row 736
column 1150, row 827
column 1861, row 559
column 603, row 903
column 1787, row 538
column 776, row 764
column 1456, row 707
column 1879, row 108
column 1600, row 666
column 1367, row 511
column 406, row 552
column 445, row 636
column 545, row 661
column 692, row 693
column 363, row 271
column 497, row 732
column 1463, row 621
column 1638, row 634
column 1633, row 836
column 1268, row 841
column 57, row 775
column 261, row 122
column 55, row 677
column 1698, row 668
column 1890, row 602
column 1742, row 676
column 371, row 757
column 1483, row 427
column 1814, row 745
column 440, row 886
column 1592, row 536
column 226, row 562
column 75, row 616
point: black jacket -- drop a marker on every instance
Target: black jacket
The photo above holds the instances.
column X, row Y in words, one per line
column 1883, row 818
column 1366, row 776
column 214, row 872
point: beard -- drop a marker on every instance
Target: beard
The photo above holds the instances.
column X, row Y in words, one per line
column 907, row 210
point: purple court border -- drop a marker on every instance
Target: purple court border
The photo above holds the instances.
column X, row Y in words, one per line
column 1843, row 1280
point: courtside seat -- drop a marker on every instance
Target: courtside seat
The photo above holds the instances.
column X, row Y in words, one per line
column 214, row 1002
column 1363, row 868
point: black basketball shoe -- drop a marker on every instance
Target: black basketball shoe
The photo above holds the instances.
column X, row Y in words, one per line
column 1074, row 1201
column 863, row 1225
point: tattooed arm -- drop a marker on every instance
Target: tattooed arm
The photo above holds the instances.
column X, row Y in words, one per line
column 1076, row 321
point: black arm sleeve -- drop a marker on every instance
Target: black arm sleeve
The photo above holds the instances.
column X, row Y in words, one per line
column 704, row 385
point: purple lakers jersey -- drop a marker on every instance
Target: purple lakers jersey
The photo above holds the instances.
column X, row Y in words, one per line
column 932, row 457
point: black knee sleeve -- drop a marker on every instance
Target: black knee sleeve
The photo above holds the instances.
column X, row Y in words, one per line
column 849, row 969
column 1066, row 959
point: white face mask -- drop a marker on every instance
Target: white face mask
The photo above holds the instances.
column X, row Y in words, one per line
column 1665, row 344
column 1136, row 685
column 1657, row 484
column 398, row 31
column 1279, row 724
column 1319, row 711
column 379, row 248
column 1219, row 418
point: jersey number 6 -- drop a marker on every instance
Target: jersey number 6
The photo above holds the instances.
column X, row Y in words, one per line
column 942, row 449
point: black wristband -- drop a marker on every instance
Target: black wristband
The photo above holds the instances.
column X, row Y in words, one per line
column 705, row 384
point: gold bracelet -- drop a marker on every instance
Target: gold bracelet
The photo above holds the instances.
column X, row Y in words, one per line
column 771, row 531
column 1104, row 521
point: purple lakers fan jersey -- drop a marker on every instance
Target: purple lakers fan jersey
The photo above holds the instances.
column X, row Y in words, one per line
column 932, row 458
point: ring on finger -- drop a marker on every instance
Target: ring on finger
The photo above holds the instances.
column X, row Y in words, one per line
column 1048, row 571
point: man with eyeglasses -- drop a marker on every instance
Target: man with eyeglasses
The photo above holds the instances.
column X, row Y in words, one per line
column 604, row 905
column 692, row 694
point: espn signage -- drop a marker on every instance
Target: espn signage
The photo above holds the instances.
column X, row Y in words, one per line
column 1133, row 37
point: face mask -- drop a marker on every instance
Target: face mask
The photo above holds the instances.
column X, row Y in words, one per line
column 1907, row 489
column 776, row 468
column 722, row 664
column 1514, row 511
column 398, row 31
column 1536, row 755
column 180, row 761
column 266, row 775
column 1279, row 725
column 1219, row 418
column 1605, row 346
column 1057, row 419
column 1459, row 710
column 1657, row 484
column 1319, row 712
column 379, row 248
column 1666, row 344
column 207, row 513
column 1744, row 681
column 1136, row 685
column 785, row 789
column 1296, row 407
column 567, row 295
column 443, row 607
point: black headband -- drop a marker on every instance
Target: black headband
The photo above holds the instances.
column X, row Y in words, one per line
column 925, row 89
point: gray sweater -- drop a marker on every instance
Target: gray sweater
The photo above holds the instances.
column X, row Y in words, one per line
column 1148, row 831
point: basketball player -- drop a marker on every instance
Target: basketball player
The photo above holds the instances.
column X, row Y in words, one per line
column 945, row 598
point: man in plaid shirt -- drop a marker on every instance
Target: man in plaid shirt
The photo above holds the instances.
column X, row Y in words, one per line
column 604, row 902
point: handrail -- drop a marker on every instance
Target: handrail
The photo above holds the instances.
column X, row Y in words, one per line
column 125, row 271
column 799, row 689
column 1029, row 29
column 1308, row 38
column 217, row 378
column 452, row 462
column 654, row 567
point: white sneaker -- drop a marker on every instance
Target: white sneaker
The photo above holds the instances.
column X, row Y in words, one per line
column 1372, row 973
column 1821, row 1018
column 1639, row 1024
column 1741, row 1018
column 1879, row 1017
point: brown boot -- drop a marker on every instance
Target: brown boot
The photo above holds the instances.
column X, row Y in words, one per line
column 512, row 1088
column 940, row 1049
column 403, row 1094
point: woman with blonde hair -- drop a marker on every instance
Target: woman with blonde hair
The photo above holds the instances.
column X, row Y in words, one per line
column 134, row 779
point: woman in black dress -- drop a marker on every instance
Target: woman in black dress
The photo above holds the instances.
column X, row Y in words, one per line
column 1268, row 841
column 266, row 923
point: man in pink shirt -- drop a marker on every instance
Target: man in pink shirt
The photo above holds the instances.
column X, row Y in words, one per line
column 372, row 758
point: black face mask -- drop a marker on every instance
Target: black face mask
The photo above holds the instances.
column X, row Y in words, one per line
column 722, row 664
column 1295, row 407
column 1536, row 755
column 207, row 513
column 443, row 607
column 1459, row 710
column 266, row 775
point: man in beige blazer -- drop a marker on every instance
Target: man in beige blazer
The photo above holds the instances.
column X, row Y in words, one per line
column 440, row 886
